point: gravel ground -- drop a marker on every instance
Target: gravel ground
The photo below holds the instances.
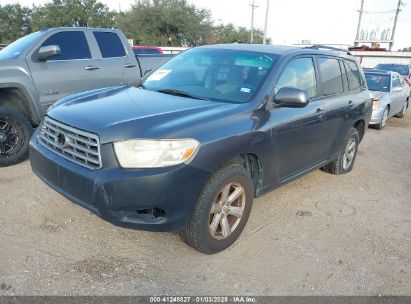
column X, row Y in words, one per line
column 319, row 235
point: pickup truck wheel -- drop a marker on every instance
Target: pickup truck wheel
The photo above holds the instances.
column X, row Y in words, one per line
column 345, row 161
column 221, row 211
column 15, row 132
column 403, row 110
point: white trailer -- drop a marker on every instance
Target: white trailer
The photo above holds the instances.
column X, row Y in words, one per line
column 370, row 59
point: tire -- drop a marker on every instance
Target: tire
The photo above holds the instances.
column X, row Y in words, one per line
column 15, row 132
column 198, row 233
column 403, row 110
column 340, row 165
column 383, row 121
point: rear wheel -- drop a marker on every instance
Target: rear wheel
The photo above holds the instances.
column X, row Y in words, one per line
column 383, row 122
column 345, row 161
column 221, row 212
column 403, row 110
column 15, row 132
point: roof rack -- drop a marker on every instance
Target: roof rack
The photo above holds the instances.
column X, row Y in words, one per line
column 326, row 47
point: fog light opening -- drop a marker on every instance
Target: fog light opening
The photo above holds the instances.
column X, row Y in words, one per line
column 152, row 213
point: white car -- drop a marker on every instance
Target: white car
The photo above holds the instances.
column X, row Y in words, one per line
column 390, row 95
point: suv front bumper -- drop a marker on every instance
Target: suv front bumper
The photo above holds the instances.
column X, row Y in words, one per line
column 123, row 197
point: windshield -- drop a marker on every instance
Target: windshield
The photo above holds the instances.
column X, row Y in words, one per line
column 13, row 50
column 378, row 82
column 400, row 69
column 213, row 74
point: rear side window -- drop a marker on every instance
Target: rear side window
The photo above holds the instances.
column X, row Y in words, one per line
column 110, row 44
column 73, row 45
column 353, row 75
column 331, row 78
column 300, row 74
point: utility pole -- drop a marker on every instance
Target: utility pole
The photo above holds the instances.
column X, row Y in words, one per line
column 395, row 24
column 266, row 22
column 253, row 7
column 357, row 37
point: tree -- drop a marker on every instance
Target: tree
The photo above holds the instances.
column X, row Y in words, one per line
column 230, row 33
column 80, row 13
column 15, row 22
column 166, row 22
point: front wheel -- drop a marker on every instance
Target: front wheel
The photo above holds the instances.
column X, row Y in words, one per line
column 221, row 211
column 15, row 132
column 345, row 161
column 381, row 125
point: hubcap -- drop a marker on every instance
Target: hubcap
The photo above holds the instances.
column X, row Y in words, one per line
column 349, row 154
column 384, row 118
column 226, row 211
column 8, row 138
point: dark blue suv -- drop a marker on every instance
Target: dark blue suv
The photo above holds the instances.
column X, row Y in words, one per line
column 202, row 135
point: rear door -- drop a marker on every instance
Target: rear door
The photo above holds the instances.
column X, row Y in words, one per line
column 113, row 58
column 337, row 102
column 66, row 73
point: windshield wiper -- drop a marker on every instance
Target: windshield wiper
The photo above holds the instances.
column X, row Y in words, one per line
column 180, row 93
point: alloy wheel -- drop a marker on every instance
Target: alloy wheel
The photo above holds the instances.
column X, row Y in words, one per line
column 349, row 154
column 384, row 118
column 227, row 210
column 8, row 138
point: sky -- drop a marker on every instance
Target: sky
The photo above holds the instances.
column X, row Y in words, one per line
column 291, row 21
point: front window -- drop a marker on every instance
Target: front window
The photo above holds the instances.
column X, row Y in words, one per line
column 400, row 69
column 213, row 74
column 299, row 74
column 378, row 82
column 13, row 50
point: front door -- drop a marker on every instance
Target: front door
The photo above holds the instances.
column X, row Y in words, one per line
column 74, row 70
column 298, row 132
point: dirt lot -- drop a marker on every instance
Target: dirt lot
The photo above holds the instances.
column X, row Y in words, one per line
column 353, row 238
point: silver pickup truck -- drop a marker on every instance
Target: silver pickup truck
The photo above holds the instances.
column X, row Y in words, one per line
column 38, row 69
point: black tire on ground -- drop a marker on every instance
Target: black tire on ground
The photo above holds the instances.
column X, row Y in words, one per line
column 382, row 123
column 197, row 232
column 15, row 132
column 341, row 165
column 403, row 110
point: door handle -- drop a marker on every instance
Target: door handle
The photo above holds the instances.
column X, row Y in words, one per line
column 350, row 104
column 90, row 68
column 129, row 65
column 320, row 110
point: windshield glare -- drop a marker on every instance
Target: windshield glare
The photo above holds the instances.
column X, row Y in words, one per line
column 378, row 82
column 13, row 50
column 213, row 74
column 400, row 69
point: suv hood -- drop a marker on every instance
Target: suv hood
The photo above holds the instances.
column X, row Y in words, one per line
column 121, row 113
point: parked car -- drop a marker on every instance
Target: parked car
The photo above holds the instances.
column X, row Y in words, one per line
column 204, row 134
column 146, row 50
column 402, row 69
column 390, row 96
column 45, row 66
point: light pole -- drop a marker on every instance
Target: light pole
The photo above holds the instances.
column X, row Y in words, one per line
column 253, row 7
column 266, row 21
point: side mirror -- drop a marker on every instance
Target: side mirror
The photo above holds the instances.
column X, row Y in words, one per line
column 48, row 51
column 291, row 97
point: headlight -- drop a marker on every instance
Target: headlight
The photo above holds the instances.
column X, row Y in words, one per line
column 376, row 104
column 147, row 153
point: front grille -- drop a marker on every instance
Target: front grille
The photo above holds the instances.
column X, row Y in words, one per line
column 80, row 147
